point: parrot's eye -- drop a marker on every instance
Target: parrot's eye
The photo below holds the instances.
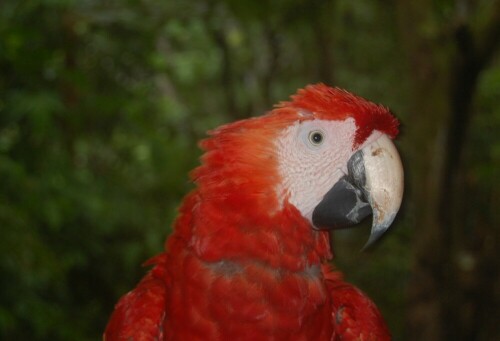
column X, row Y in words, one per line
column 316, row 137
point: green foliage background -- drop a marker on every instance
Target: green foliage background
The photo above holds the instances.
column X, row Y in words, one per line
column 102, row 104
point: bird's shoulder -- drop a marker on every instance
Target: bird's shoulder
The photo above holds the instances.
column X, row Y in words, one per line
column 139, row 315
column 354, row 315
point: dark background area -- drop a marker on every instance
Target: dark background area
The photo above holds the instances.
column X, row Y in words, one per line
column 102, row 104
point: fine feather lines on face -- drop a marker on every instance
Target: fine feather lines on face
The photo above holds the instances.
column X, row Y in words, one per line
column 312, row 156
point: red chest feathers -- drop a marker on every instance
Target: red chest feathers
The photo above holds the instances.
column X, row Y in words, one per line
column 228, row 300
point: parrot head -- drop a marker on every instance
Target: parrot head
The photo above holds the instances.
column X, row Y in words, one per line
column 327, row 153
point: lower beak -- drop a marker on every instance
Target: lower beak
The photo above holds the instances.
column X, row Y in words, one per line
column 373, row 185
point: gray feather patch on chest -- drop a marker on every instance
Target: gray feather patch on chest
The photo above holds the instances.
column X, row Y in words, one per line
column 312, row 271
column 229, row 268
column 226, row 268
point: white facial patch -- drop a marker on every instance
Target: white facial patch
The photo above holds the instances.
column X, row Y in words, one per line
column 312, row 157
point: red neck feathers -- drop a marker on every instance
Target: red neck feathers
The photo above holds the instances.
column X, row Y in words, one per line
column 235, row 213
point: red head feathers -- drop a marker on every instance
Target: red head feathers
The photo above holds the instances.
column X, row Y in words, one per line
column 337, row 104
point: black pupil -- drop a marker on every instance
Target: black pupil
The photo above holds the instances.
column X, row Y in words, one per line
column 317, row 137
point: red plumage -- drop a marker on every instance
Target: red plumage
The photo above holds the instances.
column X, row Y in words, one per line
column 337, row 104
column 240, row 265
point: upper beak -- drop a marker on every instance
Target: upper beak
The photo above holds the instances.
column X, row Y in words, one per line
column 374, row 184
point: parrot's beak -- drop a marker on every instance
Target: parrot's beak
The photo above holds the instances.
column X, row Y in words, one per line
column 373, row 185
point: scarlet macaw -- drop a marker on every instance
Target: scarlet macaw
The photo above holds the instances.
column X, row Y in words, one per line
column 248, row 258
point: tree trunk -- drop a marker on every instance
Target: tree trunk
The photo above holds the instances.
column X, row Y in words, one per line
column 445, row 62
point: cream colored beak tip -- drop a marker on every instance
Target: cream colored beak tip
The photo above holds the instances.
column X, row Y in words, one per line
column 384, row 184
